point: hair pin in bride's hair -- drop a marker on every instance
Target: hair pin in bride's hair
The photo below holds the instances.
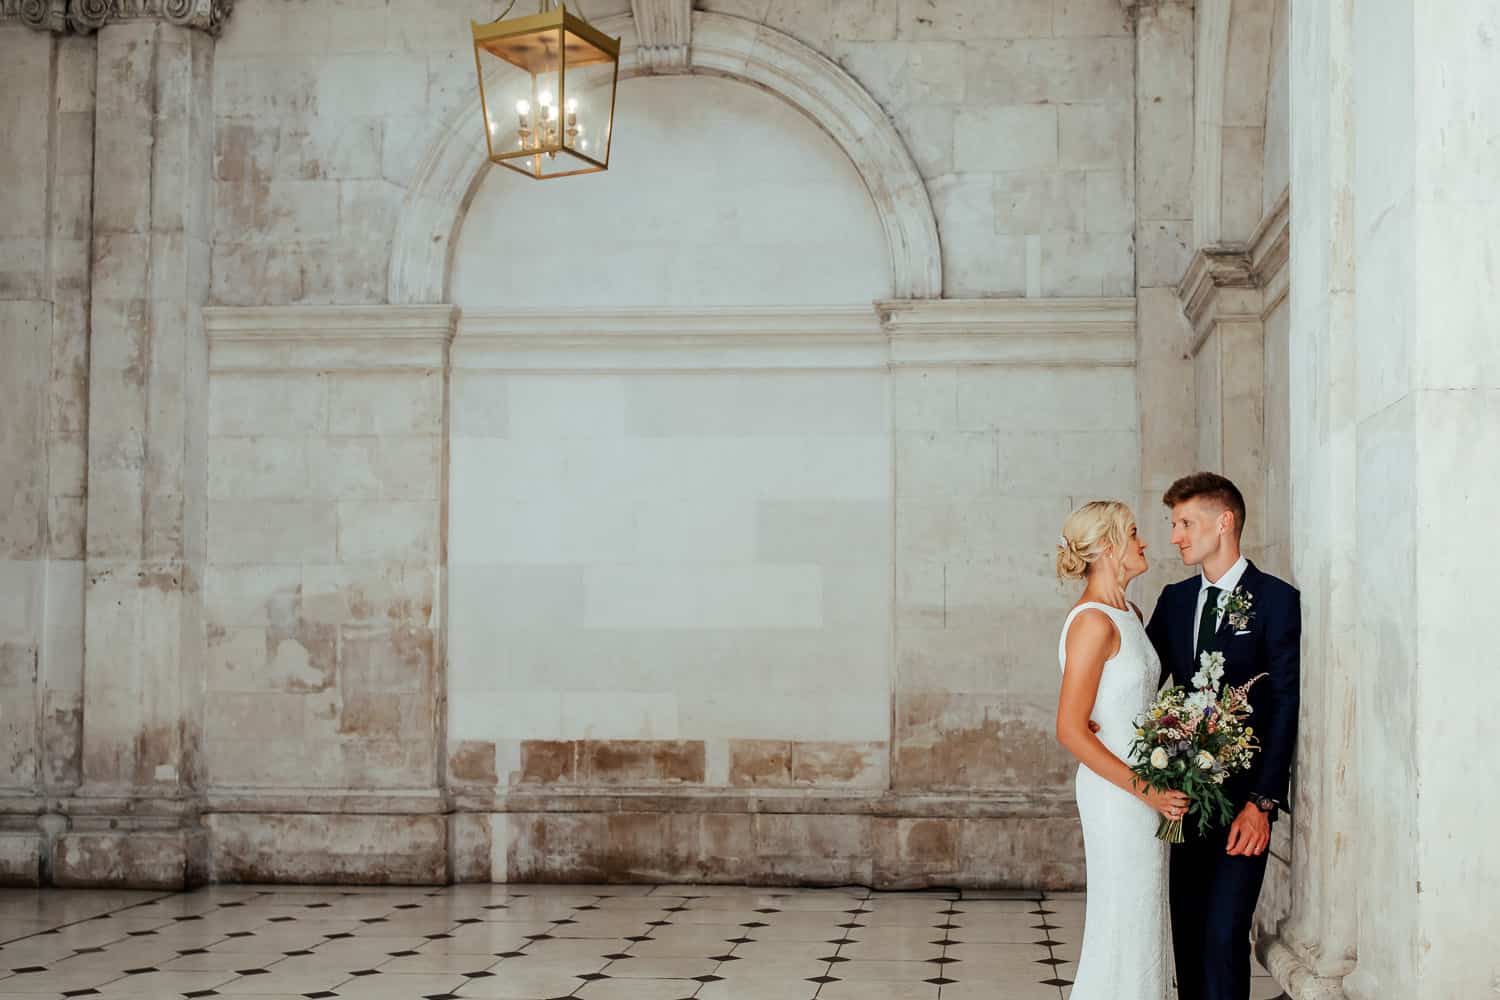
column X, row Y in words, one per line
column 1062, row 540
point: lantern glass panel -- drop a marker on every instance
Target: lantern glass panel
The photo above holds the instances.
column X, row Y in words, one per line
column 589, row 100
column 522, row 80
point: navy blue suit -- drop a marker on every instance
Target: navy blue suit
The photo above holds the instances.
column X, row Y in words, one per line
column 1214, row 894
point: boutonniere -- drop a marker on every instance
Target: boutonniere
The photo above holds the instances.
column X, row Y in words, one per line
column 1238, row 608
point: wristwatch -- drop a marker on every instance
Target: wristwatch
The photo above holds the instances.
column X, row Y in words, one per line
column 1264, row 803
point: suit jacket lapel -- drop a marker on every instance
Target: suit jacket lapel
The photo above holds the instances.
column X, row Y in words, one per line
column 1183, row 632
column 1248, row 581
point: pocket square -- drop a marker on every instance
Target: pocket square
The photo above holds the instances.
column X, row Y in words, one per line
column 1246, row 632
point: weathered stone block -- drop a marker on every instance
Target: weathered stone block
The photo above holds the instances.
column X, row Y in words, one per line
column 1022, row 137
column 965, row 741
column 914, row 853
column 760, row 762
column 129, row 859
column 1096, row 136
column 394, row 660
column 970, row 20
column 471, row 848
column 271, row 531
column 631, row 762
column 838, row 764
column 399, row 531
column 329, row 848
column 472, row 761
column 21, row 859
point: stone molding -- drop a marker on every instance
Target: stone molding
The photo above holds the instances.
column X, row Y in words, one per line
column 88, row 16
column 1271, row 250
column 1020, row 804
column 645, row 340
column 725, row 46
column 328, row 338
column 664, row 31
column 894, row 334
column 1238, row 282
column 1043, row 332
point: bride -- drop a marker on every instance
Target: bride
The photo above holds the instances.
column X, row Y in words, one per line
column 1110, row 675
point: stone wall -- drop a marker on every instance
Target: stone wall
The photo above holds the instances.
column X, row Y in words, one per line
column 771, row 595
column 1018, row 114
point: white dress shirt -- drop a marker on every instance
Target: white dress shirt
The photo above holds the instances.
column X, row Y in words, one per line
column 1226, row 584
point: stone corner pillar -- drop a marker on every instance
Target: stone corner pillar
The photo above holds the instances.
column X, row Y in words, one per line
column 133, row 821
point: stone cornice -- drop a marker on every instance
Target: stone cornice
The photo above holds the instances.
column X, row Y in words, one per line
column 86, row 16
column 647, row 340
column 328, row 338
column 894, row 334
column 1238, row 281
column 1031, row 332
column 1270, row 249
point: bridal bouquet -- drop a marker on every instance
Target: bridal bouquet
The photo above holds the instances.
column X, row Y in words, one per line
column 1191, row 742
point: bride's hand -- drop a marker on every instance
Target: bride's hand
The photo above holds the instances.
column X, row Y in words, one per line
column 1172, row 805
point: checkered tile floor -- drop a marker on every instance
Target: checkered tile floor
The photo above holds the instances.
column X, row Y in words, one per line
column 538, row 942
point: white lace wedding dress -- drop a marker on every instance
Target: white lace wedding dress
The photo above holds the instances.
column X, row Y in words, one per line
column 1125, row 925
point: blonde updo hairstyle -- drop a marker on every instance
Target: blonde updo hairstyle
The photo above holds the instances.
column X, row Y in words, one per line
column 1088, row 535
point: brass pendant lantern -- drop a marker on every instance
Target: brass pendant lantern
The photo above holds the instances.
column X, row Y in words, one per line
column 549, row 100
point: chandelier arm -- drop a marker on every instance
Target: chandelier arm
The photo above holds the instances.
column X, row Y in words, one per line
column 510, row 6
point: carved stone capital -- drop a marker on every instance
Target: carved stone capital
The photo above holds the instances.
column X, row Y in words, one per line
column 43, row 15
column 86, row 16
column 664, row 33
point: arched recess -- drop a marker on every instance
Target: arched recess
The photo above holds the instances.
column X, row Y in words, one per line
column 1233, row 70
column 723, row 46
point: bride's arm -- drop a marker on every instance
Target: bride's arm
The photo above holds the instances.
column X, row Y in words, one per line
column 1092, row 639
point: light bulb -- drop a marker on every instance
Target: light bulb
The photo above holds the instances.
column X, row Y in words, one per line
column 552, row 112
column 584, row 144
column 572, row 105
column 544, row 98
column 523, row 107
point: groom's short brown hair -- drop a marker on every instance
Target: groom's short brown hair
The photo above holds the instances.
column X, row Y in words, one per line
column 1212, row 487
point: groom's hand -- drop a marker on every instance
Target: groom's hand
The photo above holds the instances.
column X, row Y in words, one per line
column 1250, row 834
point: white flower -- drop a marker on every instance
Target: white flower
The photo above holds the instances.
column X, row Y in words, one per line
column 1211, row 670
column 1159, row 758
column 1205, row 760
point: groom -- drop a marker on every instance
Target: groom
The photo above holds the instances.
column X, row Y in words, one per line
column 1255, row 621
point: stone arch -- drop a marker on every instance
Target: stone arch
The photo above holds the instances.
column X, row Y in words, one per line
column 723, row 46
column 1233, row 68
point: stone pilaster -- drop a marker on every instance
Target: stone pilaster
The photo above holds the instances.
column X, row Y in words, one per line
column 1308, row 925
column 44, row 295
column 1425, row 241
column 143, row 661
column 1164, row 368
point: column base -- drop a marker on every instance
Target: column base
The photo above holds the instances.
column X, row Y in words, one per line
column 1292, row 974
